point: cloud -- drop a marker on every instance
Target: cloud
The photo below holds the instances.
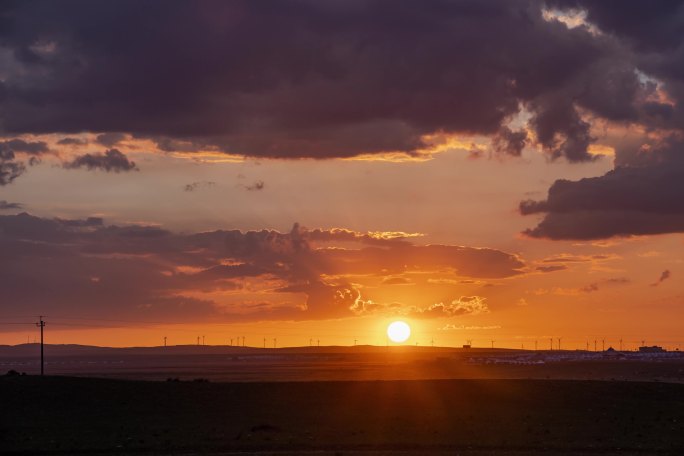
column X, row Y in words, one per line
column 111, row 161
column 197, row 185
column 345, row 84
column 596, row 286
column 110, row 139
column 10, row 170
column 88, row 222
column 27, row 147
column 369, row 87
column 465, row 305
column 49, row 265
column 72, row 142
column 509, row 142
column 560, row 129
column 453, row 327
column 643, row 198
column 475, row 152
column 554, row 268
column 564, row 258
column 642, row 195
column 396, row 281
column 663, row 277
column 10, row 167
column 258, row 185
column 6, row 205
column 589, row 288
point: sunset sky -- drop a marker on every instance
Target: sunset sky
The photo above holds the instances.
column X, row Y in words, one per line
column 313, row 170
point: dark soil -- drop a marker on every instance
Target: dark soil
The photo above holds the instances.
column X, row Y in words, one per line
column 479, row 417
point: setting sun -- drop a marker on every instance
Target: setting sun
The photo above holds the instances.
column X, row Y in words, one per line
column 398, row 331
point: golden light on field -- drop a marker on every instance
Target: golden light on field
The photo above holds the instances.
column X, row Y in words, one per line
column 398, row 331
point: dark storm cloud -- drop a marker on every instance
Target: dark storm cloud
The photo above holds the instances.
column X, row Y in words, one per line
column 643, row 194
column 561, row 131
column 646, row 197
column 111, row 161
column 308, row 78
column 78, row 266
column 656, row 27
column 305, row 78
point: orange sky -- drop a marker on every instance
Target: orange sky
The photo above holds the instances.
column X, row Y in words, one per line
column 577, row 290
column 507, row 172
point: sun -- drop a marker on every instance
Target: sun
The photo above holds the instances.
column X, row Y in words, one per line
column 398, row 331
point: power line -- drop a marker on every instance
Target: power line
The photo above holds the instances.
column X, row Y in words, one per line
column 41, row 325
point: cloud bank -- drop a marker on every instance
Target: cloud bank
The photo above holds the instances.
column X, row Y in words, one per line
column 84, row 266
column 313, row 79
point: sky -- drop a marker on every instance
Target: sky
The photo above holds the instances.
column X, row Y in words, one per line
column 502, row 173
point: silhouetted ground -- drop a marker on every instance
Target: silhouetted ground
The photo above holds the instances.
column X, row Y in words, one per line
column 431, row 417
column 220, row 363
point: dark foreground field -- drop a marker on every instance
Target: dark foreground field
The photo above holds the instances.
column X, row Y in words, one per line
column 431, row 417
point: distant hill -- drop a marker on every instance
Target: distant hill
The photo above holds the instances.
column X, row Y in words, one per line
column 24, row 350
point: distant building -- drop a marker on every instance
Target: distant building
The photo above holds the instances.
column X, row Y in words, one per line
column 466, row 345
column 652, row 349
column 611, row 353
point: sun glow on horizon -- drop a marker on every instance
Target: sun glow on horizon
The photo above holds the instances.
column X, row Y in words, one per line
column 398, row 331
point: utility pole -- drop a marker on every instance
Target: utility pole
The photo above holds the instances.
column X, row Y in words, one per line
column 603, row 344
column 164, row 341
column 551, row 342
column 318, row 341
column 492, row 343
column 264, row 342
column 243, row 341
column 203, row 341
column 198, row 340
column 620, row 344
column 41, row 325
column 587, row 349
column 559, row 343
column 595, row 345
column 432, row 342
column 354, row 342
column 310, row 342
column 535, row 345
